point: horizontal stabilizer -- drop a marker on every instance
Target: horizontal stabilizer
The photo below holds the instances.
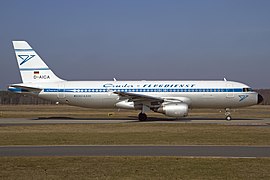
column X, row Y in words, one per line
column 24, row 89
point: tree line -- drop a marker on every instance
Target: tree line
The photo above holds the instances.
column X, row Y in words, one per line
column 9, row 98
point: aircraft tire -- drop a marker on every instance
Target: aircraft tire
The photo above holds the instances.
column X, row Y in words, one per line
column 142, row 117
column 228, row 118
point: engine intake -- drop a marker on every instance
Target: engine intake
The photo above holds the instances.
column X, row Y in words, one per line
column 174, row 109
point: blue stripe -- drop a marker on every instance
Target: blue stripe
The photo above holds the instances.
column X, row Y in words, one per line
column 33, row 69
column 19, row 50
column 145, row 90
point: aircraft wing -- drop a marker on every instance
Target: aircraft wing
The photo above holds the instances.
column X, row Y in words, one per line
column 151, row 100
column 139, row 97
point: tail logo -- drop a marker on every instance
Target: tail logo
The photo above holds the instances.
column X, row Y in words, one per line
column 25, row 58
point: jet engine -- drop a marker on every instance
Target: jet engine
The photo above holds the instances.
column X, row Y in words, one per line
column 174, row 109
column 125, row 104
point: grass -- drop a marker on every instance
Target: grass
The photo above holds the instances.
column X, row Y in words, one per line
column 133, row 168
column 134, row 133
column 34, row 111
column 131, row 133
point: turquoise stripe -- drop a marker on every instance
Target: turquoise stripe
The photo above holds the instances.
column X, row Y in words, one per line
column 33, row 69
column 20, row 50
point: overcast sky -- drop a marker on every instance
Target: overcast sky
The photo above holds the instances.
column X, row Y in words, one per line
column 141, row 39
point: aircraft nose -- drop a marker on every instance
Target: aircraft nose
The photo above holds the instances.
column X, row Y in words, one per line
column 260, row 99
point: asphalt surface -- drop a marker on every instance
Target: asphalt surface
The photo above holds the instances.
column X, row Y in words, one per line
column 67, row 120
column 190, row 151
column 187, row 151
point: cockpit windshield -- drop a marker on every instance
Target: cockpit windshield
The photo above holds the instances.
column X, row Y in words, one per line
column 247, row 90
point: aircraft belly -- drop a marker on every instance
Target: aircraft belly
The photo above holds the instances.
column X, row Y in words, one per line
column 108, row 100
column 92, row 100
column 48, row 96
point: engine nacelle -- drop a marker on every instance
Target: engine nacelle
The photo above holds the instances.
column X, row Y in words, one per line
column 174, row 109
column 125, row 105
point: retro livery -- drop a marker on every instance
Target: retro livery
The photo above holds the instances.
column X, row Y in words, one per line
column 172, row 98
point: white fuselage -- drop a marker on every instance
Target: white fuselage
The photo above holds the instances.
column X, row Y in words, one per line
column 197, row 94
column 172, row 98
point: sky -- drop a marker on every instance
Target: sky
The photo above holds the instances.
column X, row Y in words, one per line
column 141, row 39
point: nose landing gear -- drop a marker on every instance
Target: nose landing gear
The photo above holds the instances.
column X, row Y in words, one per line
column 228, row 114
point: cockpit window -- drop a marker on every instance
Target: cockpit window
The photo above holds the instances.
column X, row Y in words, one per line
column 247, row 89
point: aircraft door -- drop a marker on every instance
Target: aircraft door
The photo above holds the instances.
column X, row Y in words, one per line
column 230, row 91
column 61, row 91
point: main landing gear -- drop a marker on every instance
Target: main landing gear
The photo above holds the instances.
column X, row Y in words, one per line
column 228, row 114
column 142, row 117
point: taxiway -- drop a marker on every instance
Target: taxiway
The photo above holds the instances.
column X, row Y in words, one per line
column 89, row 150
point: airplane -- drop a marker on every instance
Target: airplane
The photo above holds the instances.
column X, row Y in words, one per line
column 171, row 98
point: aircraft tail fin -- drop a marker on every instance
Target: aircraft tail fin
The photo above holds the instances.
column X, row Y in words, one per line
column 32, row 67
